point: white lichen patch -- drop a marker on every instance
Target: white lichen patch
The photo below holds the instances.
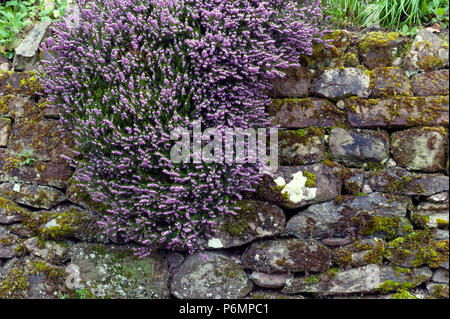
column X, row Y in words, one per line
column 52, row 223
column 16, row 188
column 280, row 181
column 296, row 189
column 215, row 243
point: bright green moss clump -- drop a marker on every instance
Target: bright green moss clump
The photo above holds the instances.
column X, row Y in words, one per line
column 310, row 179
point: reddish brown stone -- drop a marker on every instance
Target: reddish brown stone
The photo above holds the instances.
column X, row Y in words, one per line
column 298, row 113
column 431, row 83
column 296, row 83
column 378, row 49
column 40, row 137
column 286, row 256
column 42, row 173
column 390, row 81
column 17, row 106
column 24, row 83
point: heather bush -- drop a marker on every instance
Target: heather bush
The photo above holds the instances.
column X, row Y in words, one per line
column 132, row 71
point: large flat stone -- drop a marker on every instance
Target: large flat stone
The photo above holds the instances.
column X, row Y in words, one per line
column 298, row 186
column 210, row 276
column 286, row 256
column 28, row 50
column 381, row 49
column 256, row 219
column 10, row 212
column 420, row 148
column 427, row 52
column 366, row 279
column 114, row 272
column 296, row 83
column 401, row 181
column 32, row 195
column 40, row 137
column 298, row 113
column 300, row 147
column 430, row 215
column 341, row 82
column 398, row 111
column 359, row 147
column 389, row 82
column 430, row 83
column 33, row 278
column 41, row 173
column 337, row 218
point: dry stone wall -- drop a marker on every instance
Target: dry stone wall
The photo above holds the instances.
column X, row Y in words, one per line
column 358, row 207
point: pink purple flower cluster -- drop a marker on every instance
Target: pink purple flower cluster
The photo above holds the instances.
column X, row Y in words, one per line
column 131, row 71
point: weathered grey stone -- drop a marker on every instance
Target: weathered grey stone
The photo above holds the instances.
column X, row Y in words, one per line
column 367, row 279
column 389, row 82
column 8, row 244
column 391, row 163
column 33, row 278
column 431, row 83
column 357, row 148
column 431, row 215
column 286, row 256
column 69, row 221
column 359, row 253
column 298, row 186
column 400, row 111
column 400, row 181
column 366, row 189
column 48, row 250
column 296, row 83
column 336, row 241
column 269, row 280
column 340, row 82
column 438, row 198
column 27, row 51
column 354, row 182
column 339, row 51
column 334, row 219
column 305, row 146
column 174, row 260
column 9, row 212
column 420, row 148
column 381, row 49
column 428, row 52
column 211, row 276
column 437, row 290
column 440, row 275
column 440, row 234
column 256, row 219
column 4, row 64
column 114, row 272
column 270, row 294
column 298, row 113
column 32, row 195
column 5, row 129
